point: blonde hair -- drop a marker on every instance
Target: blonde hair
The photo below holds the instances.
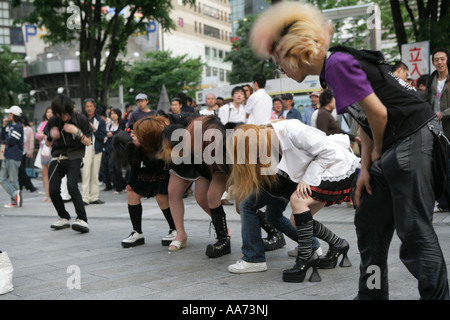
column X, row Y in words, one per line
column 247, row 174
column 299, row 29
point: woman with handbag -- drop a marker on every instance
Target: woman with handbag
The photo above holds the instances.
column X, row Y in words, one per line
column 44, row 155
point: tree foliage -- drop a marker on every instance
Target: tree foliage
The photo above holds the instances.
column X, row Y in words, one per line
column 430, row 20
column 160, row 67
column 244, row 62
column 11, row 83
column 99, row 33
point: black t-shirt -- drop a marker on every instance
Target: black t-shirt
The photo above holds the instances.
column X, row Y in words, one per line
column 67, row 145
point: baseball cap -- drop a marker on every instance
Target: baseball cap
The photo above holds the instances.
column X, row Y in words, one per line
column 287, row 96
column 315, row 93
column 141, row 96
column 16, row 110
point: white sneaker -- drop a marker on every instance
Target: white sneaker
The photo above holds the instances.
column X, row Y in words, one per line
column 172, row 235
column 19, row 198
column 60, row 224
column 80, row 226
column 242, row 266
column 133, row 240
column 294, row 252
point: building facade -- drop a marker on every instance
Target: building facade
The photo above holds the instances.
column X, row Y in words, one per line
column 203, row 30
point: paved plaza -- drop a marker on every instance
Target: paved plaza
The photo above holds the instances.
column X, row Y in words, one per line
column 67, row 265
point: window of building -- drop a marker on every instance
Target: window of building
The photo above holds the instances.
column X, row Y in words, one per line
column 207, row 51
column 211, row 12
column 17, row 36
column 208, row 71
column 221, row 75
column 211, row 31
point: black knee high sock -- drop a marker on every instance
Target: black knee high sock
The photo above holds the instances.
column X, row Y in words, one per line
column 322, row 232
column 169, row 218
column 135, row 212
column 304, row 226
column 219, row 221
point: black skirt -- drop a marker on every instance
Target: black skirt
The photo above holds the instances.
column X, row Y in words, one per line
column 152, row 179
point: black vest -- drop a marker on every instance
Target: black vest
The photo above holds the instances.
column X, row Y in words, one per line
column 407, row 112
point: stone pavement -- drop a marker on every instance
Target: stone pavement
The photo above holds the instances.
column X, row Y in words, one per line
column 47, row 262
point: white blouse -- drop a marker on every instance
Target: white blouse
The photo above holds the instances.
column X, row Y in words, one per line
column 228, row 113
column 310, row 156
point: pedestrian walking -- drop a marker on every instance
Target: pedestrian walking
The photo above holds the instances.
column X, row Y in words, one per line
column 12, row 133
column 44, row 156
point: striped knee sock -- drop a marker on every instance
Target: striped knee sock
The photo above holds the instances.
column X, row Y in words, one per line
column 304, row 227
column 322, row 232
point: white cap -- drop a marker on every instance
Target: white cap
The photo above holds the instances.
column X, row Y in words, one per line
column 141, row 96
column 16, row 110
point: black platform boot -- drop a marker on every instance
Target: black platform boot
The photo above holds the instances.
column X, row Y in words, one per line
column 275, row 239
column 332, row 256
column 337, row 246
column 223, row 244
column 306, row 258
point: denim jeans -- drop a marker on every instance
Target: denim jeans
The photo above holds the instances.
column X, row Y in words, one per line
column 252, row 243
column 56, row 172
column 402, row 199
column 9, row 176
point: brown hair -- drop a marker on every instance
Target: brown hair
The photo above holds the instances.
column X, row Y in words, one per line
column 148, row 131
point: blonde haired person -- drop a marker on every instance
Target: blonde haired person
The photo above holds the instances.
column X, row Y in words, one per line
column 315, row 170
column 396, row 188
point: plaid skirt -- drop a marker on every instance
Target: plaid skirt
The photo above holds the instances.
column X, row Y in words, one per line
column 329, row 192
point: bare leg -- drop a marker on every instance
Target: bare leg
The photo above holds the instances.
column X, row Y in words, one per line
column 201, row 192
column 163, row 201
column 216, row 189
column 177, row 187
column 45, row 180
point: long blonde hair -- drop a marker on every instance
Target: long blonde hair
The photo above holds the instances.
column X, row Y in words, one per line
column 249, row 173
column 298, row 28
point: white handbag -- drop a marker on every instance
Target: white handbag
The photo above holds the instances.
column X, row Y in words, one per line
column 6, row 274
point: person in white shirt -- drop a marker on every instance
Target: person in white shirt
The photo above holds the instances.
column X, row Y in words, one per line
column 259, row 105
column 315, row 170
column 210, row 103
column 233, row 112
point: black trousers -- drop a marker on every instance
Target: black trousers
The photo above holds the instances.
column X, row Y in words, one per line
column 56, row 172
column 24, row 179
column 403, row 200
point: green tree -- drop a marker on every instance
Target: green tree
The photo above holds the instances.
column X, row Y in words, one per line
column 11, row 82
column 160, row 67
column 244, row 62
column 98, row 33
column 430, row 20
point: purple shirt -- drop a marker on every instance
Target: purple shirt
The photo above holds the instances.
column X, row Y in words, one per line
column 346, row 79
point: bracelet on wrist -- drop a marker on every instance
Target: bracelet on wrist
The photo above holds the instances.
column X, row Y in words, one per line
column 79, row 134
